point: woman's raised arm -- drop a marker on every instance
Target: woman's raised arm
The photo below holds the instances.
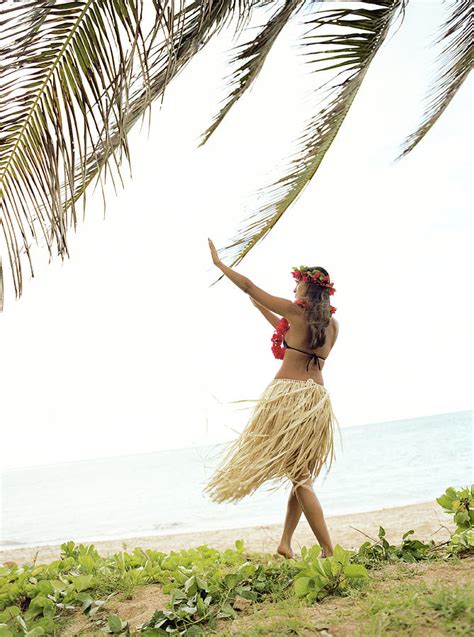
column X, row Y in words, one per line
column 278, row 304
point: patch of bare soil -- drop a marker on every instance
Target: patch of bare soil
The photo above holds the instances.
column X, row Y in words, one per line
column 447, row 573
column 137, row 610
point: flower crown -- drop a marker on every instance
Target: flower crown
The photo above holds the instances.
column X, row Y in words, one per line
column 304, row 273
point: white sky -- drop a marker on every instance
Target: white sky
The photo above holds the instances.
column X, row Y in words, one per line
column 125, row 348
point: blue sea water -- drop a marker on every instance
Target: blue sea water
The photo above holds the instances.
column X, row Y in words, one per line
column 378, row 465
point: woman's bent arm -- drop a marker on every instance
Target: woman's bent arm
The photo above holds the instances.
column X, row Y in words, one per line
column 270, row 316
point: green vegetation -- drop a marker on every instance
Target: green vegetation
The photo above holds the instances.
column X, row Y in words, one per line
column 318, row 578
column 206, row 587
column 461, row 505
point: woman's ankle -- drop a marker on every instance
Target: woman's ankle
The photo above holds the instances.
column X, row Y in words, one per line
column 326, row 551
column 285, row 541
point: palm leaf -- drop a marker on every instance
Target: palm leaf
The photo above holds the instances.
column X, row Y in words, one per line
column 455, row 64
column 192, row 29
column 58, row 80
column 250, row 58
column 75, row 77
column 355, row 36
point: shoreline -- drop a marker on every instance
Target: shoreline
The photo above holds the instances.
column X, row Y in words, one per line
column 247, row 524
column 427, row 519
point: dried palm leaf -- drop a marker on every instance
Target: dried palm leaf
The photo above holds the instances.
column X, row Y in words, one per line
column 455, row 63
column 349, row 43
column 250, row 58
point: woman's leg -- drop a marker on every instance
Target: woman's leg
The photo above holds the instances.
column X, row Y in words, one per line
column 293, row 514
column 313, row 512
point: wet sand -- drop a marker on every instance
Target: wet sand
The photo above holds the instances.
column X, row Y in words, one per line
column 427, row 519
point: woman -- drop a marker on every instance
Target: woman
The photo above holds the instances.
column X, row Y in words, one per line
column 290, row 431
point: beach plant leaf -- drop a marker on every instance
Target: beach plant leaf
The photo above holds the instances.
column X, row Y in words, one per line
column 83, row 582
column 341, row 555
column 115, row 624
column 239, row 546
column 460, row 504
column 35, row 632
column 355, row 570
column 301, row 586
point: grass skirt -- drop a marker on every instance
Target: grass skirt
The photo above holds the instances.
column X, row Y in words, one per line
column 289, row 435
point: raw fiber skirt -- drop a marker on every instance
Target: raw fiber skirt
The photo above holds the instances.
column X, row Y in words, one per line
column 290, row 435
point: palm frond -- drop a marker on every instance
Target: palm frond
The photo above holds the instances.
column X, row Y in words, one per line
column 75, row 77
column 351, row 38
column 59, row 78
column 191, row 29
column 249, row 60
column 455, row 63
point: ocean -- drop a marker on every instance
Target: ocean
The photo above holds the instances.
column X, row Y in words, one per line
column 377, row 465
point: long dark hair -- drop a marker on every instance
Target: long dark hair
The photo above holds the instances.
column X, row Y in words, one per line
column 317, row 311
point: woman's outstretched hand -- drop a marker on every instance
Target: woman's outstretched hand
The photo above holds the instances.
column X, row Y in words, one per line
column 215, row 258
column 241, row 281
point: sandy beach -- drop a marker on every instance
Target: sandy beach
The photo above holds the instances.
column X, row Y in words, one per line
column 427, row 519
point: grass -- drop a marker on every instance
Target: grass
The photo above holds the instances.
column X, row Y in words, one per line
column 419, row 600
column 400, row 600
column 415, row 609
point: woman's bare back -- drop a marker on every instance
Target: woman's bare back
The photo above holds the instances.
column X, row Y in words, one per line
column 294, row 364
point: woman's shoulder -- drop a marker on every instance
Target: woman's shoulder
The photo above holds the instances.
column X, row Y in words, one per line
column 335, row 326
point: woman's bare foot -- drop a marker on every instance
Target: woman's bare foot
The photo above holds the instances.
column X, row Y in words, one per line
column 285, row 550
column 326, row 552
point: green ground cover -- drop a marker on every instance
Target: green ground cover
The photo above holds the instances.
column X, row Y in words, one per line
column 408, row 588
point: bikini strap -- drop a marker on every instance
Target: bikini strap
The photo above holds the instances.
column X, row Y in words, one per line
column 312, row 356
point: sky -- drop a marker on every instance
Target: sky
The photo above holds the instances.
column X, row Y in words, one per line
column 126, row 348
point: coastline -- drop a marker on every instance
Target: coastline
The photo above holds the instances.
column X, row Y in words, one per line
column 427, row 519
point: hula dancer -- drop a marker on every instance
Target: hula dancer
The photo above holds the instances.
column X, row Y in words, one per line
column 290, row 431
